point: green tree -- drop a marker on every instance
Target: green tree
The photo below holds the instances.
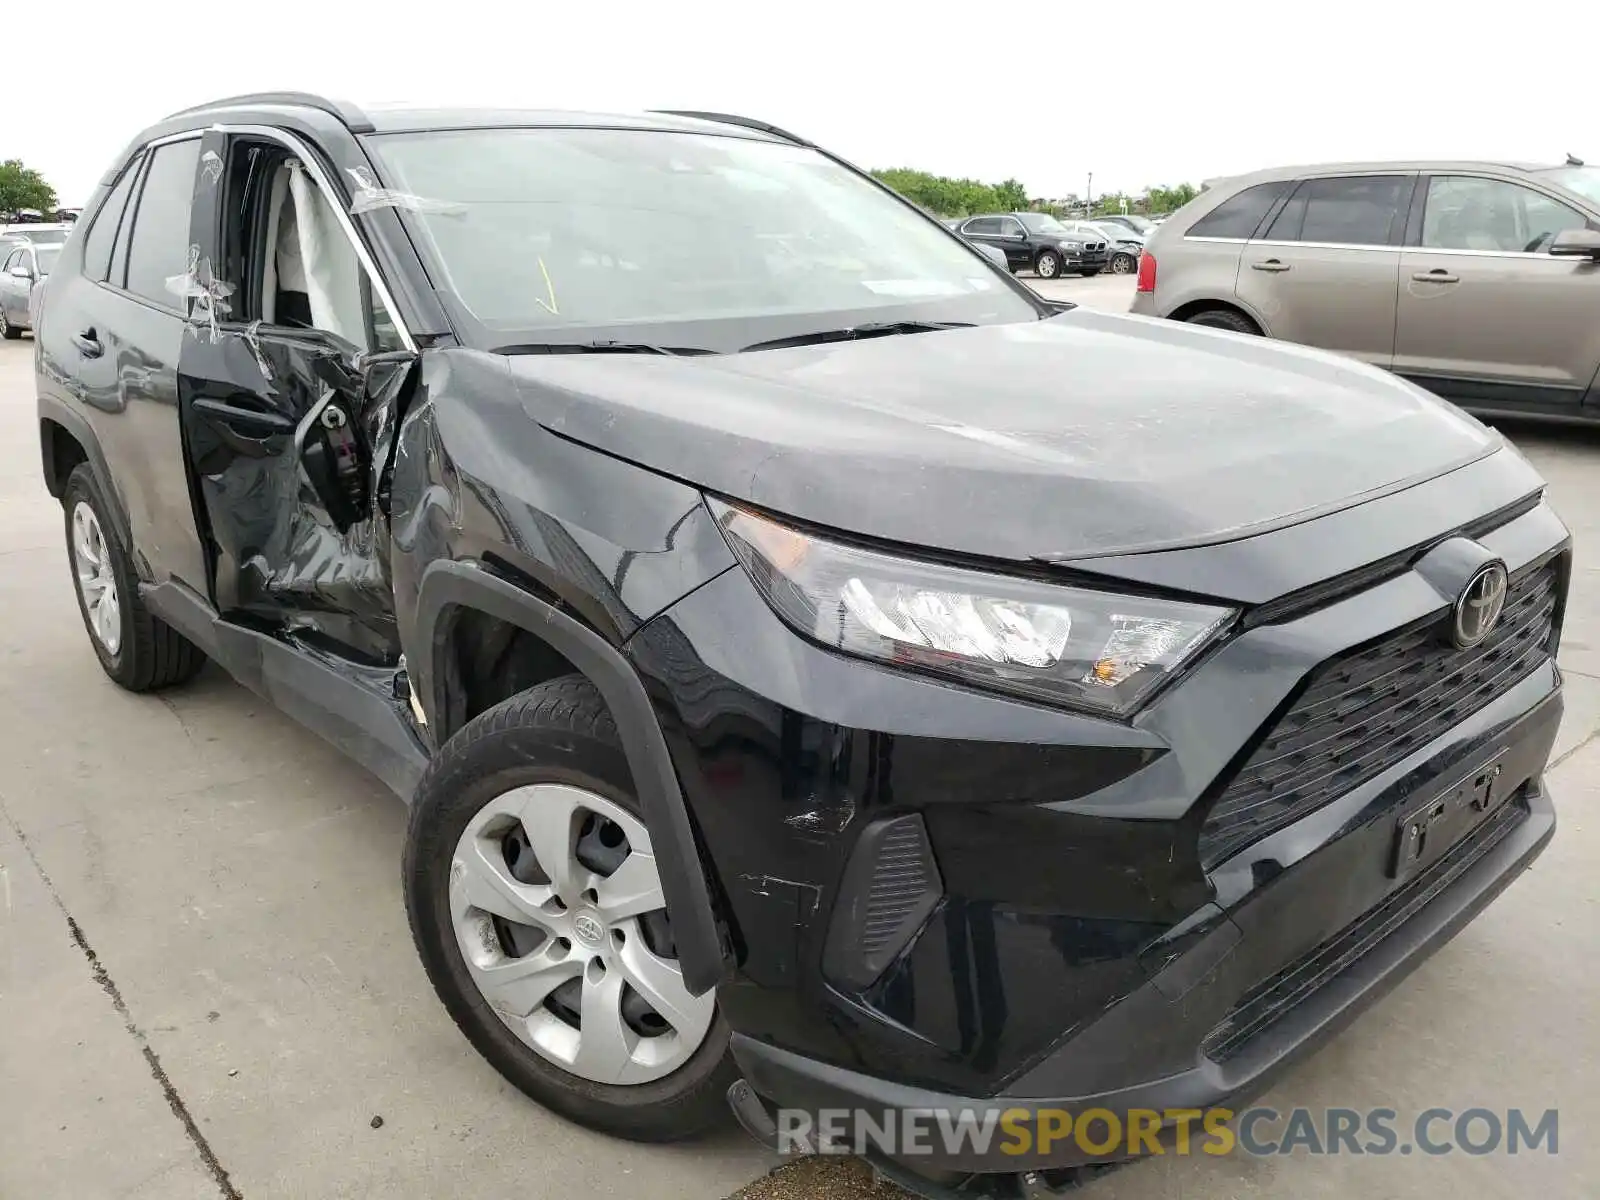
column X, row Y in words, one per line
column 23, row 187
column 1170, row 199
column 1013, row 197
column 954, row 197
column 1114, row 202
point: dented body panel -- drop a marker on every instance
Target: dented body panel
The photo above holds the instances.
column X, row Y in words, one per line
column 478, row 480
column 388, row 539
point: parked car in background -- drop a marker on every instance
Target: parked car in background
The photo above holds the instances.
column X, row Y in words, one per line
column 23, row 270
column 1123, row 246
column 1038, row 242
column 993, row 253
column 49, row 233
column 1130, row 221
column 1478, row 281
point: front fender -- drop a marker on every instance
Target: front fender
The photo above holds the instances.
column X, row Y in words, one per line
column 447, row 588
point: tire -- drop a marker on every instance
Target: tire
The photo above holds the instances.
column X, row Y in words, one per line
column 557, row 739
column 7, row 330
column 138, row 651
column 1124, row 264
column 1224, row 318
column 1047, row 265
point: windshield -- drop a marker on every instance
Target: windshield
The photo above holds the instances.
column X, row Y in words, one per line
column 1584, row 181
column 681, row 239
column 40, row 237
column 45, row 258
column 1042, row 223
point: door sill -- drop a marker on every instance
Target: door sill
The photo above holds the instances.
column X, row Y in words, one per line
column 351, row 706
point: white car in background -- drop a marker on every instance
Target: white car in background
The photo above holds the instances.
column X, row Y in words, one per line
column 40, row 232
column 23, row 270
column 1123, row 245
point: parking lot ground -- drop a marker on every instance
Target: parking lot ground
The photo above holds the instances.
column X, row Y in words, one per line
column 207, row 987
column 1113, row 293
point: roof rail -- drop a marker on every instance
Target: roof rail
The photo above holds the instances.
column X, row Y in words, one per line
column 731, row 119
column 353, row 118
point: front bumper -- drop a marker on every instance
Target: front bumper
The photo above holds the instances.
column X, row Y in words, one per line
column 1189, row 1012
column 1054, row 938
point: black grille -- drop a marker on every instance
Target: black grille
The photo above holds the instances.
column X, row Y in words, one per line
column 902, row 879
column 1361, row 714
column 1274, row 998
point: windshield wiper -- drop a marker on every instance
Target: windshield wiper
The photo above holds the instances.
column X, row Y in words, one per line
column 853, row 332
column 598, row 348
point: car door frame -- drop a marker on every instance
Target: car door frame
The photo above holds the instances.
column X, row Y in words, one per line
column 1250, row 300
column 1018, row 251
column 235, row 357
column 987, row 239
column 1485, row 395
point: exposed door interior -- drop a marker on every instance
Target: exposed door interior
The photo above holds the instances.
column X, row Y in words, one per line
column 289, row 423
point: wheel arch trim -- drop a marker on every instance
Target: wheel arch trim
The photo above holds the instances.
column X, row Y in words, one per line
column 1202, row 303
column 54, row 411
column 450, row 585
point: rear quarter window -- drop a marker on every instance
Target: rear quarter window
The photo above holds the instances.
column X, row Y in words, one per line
column 1238, row 216
column 103, row 227
column 159, row 247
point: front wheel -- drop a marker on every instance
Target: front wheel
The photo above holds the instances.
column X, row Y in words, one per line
column 1048, row 264
column 536, row 905
column 1124, row 264
column 7, row 330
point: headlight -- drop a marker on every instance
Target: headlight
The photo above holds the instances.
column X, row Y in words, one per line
column 1071, row 245
column 1043, row 641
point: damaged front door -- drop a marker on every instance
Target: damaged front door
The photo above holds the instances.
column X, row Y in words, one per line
column 288, row 417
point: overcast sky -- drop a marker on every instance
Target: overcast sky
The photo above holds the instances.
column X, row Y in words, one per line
column 1176, row 91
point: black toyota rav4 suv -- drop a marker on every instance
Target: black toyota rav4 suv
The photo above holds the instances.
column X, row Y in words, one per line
column 824, row 674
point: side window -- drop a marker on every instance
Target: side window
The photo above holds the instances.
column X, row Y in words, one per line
column 159, row 246
column 1468, row 213
column 1349, row 210
column 297, row 265
column 1010, row 228
column 989, row 225
column 382, row 332
column 1238, row 216
column 103, row 228
column 13, row 259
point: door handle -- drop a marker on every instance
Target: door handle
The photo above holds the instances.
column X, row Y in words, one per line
column 1270, row 264
column 247, row 421
column 88, row 344
column 1437, row 275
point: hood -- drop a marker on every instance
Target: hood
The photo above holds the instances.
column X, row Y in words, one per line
column 1083, row 435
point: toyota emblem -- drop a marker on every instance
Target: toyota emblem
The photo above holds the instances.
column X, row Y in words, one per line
column 589, row 929
column 1478, row 608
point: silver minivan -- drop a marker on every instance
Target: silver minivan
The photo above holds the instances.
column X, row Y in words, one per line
column 1479, row 281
